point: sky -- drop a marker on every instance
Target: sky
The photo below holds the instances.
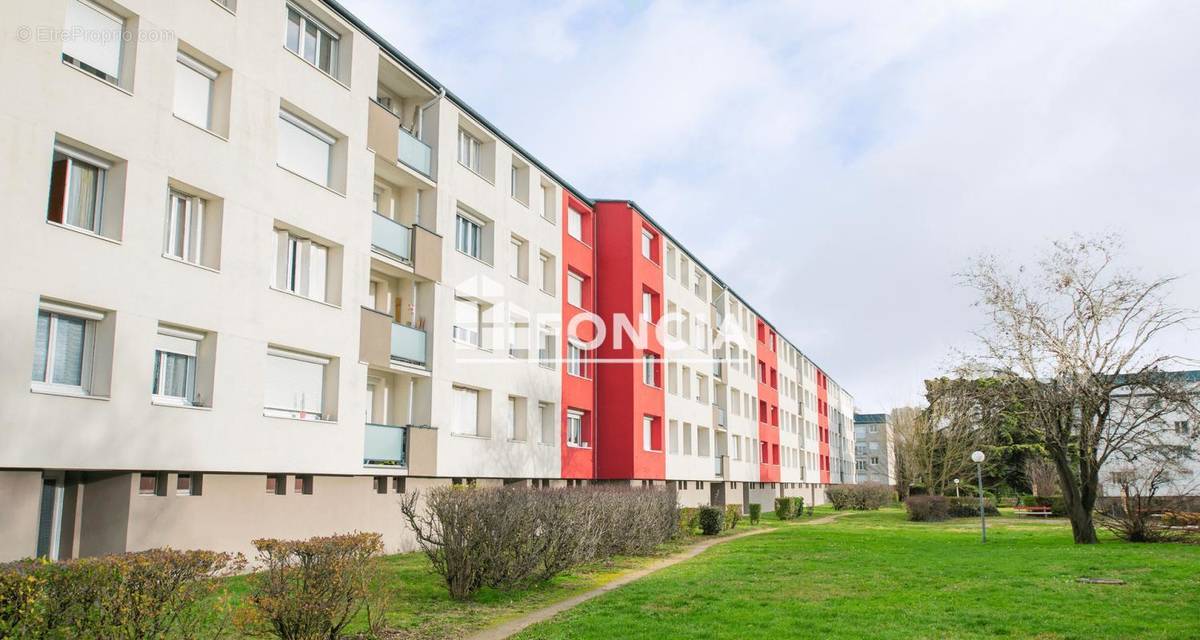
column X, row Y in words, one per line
column 838, row 163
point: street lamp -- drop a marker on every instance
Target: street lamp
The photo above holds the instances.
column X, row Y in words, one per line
column 956, row 481
column 978, row 457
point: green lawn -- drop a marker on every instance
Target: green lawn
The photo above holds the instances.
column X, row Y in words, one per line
column 877, row 575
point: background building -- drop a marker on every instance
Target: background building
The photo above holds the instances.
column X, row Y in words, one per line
column 875, row 448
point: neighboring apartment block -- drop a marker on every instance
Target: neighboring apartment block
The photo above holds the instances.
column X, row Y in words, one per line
column 875, row 448
column 272, row 274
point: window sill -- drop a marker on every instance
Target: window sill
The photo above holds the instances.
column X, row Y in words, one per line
column 519, row 279
column 521, row 202
column 204, row 129
column 470, row 436
column 474, row 172
column 549, row 293
column 97, row 79
column 64, row 391
column 313, row 182
column 227, row 9
column 279, row 416
column 86, row 232
column 318, row 69
column 479, row 260
column 517, row 441
column 179, row 260
column 579, row 446
column 296, row 295
column 159, row 401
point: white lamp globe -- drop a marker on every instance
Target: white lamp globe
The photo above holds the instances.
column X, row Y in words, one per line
column 978, row 456
column 956, row 481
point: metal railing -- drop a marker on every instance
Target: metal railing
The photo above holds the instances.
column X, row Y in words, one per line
column 385, row 444
column 414, row 153
column 720, row 415
column 408, row 344
column 391, row 237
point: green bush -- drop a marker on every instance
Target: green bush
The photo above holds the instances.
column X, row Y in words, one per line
column 798, row 506
column 733, row 515
column 1056, row 504
column 688, row 520
column 859, row 497
column 927, row 508
column 711, row 520
column 755, row 512
column 783, row 508
column 965, row 507
column 149, row 594
column 311, row 589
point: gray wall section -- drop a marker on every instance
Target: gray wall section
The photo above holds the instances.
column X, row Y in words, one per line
column 20, row 498
column 104, row 516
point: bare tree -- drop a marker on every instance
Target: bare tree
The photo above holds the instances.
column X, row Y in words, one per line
column 1142, row 513
column 1071, row 347
column 932, row 447
column 1043, row 477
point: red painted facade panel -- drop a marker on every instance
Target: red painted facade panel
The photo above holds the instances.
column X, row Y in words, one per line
column 578, row 392
column 624, row 400
column 823, row 423
column 767, row 373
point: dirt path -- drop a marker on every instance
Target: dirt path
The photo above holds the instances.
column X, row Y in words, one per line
column 516, row 625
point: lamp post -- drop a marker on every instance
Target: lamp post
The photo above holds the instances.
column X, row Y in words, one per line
column 956, row 481
column 978, row 457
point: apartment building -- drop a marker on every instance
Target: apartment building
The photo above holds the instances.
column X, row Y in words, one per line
column 305, row 278
column 875, row 448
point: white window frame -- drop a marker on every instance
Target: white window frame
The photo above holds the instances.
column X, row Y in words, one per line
column 192, row 227
column 206, row 72
column 647, row 244
column 283, row 412
column 575, row 428
column 648, row 307
column 323, row 31
column 75, row 156
column 517, row 247
column 304, row 126
column 574, row 224
column 55, row 311
column 649, row 374
column 455, row 426
column 191, row 352
column 468, row 235
column 574, row 290
column 577, row 359
column 300, row 266
column 547, row 347
column 470, row 151
column 648, row 433
column 465, row 334
column 120, row 43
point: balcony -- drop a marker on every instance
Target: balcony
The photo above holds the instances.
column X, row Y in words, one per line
column 719, row 368
column 392, row 238
column 719, row 416
column 408, row 344
column 385, row 445
column 721, row 466
column 414, row 153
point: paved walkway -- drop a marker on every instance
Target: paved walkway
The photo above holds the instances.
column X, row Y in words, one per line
column 516, row 625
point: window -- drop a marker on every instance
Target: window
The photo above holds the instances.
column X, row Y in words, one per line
column 650, row 369
column 549, row 273
column 518, row 259
column 93, row 40
column 152, row 483
column 574, row 290
column 468, row 321
column 295, row 385
column 874, row 459
column 549, row 210
column 194, row 83
column 185, row 227
column 648, row 307
column 64, row 347
column 470, row 151
column 276, row 484
column 311, row 40
column 516, row 418
column 548, row 421
column 687, row 439
column 575, row 224
column 77, row 181
column 465, row 411
column 576, row 359
column 187, row 484
column 518, row 186
column 175, row 365
column 547, row 348
column 671, row 261
column 698, row 284
column 302, row 485
column 672, row 436
column 1181, row 427
column 647, row 244
column 468, row 235
column 305, row 149
column 648, row 433
column 302, row 266
column 575, row 428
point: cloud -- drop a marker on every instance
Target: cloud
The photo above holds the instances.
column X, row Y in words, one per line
column 837, row 163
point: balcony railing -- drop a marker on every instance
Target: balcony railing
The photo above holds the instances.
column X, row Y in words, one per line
column 391, row 237
column 414, row 153
column 408, row 344
column 719, row 368
column 385, row 444
column 720, row 411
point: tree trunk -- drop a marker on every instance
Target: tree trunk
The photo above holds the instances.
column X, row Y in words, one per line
column 1083, row 529
column 1076, row 494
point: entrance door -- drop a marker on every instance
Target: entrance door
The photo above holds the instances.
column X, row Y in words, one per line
column 50, row 516
column 716, row 494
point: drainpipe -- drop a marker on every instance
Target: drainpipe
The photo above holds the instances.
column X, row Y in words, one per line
column 421, row 111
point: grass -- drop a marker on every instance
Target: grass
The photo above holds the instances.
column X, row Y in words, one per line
column 878, row 575
column 419, row 607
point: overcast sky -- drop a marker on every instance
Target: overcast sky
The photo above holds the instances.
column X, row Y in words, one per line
column 837, row 163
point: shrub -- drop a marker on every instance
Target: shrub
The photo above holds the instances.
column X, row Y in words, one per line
column 509, row 537
column 783, row 508
column 711, row 520
column 147, row 594
column 965, row 507
column 859, row 497
column 733, row 515
column 1181, row 518
column 688, row 520
column 311, row 589
column 798, row 506
column 755, row 512
column 927, row 508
